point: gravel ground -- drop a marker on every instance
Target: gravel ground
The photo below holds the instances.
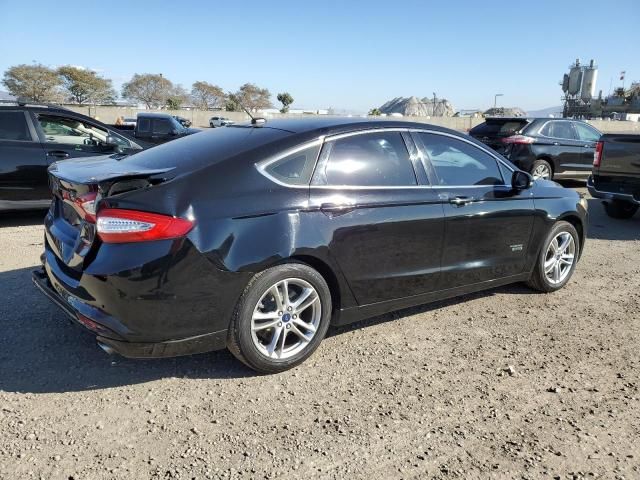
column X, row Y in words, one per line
column 502, row 384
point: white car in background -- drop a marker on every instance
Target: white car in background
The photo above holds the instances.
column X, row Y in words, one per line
column 220, row 122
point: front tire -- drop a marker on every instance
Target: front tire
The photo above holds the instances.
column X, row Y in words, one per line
column 557, row 259
column 620, row 209
column 281, row 318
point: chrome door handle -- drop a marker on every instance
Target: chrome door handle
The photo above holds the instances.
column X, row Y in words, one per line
column 460, row 201
column 337, row 208
column 58, row 154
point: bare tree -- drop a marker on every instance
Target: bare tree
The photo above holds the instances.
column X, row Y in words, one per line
column 148, row 88
column 206, row 95
column 33, row 82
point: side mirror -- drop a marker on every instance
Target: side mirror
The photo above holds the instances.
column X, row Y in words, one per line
column 113, row 143
column 174, row 132
column 521, row 180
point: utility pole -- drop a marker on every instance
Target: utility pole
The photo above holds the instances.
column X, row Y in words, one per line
column 434, row 104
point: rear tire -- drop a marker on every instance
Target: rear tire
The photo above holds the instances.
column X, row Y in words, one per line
column 541, row 169
column 620, row 209
column 552, row 270
column 271, row 334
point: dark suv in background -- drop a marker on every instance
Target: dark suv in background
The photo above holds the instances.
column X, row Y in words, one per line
column 32, row 137
column 545, row 147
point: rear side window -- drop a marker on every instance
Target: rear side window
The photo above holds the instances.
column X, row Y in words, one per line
column 506, row 128
column 295, row 168
column 161, row 126
column 367, row 160
column 459, row 163
column 13, row 126
column 559, row 130
column 586, row 133
column 144, row 125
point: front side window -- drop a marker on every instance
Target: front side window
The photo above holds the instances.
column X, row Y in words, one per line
column 586, row 133
column 13, row 126
column 295, row 168
column 559, row 130
column 459, row 163
column 372, row 159
column 70, row 131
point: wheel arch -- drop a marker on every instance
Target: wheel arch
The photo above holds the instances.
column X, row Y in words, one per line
column 579, row 226
column 547, row 158
column 327, row 272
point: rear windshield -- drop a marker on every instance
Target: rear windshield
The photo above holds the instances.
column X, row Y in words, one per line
column 205, row 148
column 499, row 127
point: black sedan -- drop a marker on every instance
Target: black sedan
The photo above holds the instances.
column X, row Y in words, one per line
column 258, row 237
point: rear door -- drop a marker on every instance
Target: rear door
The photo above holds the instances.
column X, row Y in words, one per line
column 23, row 163
column 487, row 223
column 588, row 136
column 559, row 140
column 385, row 224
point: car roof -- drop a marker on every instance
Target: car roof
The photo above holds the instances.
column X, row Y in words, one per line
column 155, row 114
column 333, row 125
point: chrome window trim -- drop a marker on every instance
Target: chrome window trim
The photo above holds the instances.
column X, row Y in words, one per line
column 263, row 164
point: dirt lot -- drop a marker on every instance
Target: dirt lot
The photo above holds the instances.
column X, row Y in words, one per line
column 503, row 384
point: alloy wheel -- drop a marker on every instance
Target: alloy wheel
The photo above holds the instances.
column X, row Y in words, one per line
column 559, row 258
column 541, row 171
column 286, row 318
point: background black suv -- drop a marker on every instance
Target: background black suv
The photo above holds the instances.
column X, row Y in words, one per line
column 32, row 137
column 546, row 147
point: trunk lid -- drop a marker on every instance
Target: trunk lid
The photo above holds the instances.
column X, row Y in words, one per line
column 70, row 230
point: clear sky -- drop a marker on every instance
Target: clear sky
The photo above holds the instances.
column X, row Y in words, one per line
column 350, row 55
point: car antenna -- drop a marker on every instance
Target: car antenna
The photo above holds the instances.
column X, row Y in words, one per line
column 254, row 120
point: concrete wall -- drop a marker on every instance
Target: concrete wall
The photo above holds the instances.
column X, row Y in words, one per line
column 201, row 118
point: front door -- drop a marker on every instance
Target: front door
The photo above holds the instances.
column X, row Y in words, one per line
column 386, row 227
column 65, row 136
column 487, row 224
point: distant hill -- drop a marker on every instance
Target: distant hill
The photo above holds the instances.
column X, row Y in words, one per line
column 416, row 107
column 6, row 96
column 546, row 112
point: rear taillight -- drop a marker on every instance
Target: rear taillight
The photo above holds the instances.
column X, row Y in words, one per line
column 597, row 154
column 87, row 204
column 122, row 226
column 518, row 139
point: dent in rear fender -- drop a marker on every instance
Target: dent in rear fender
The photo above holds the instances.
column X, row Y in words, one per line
column 255, row 243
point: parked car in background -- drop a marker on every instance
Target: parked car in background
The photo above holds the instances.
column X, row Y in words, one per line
column 34, row 136
column 493, row 130
column 616, row 174
column 261, row 235
column 156, row 128
column 185, row 122
column 130, row 121
column 549, row 148
column 220, row 122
